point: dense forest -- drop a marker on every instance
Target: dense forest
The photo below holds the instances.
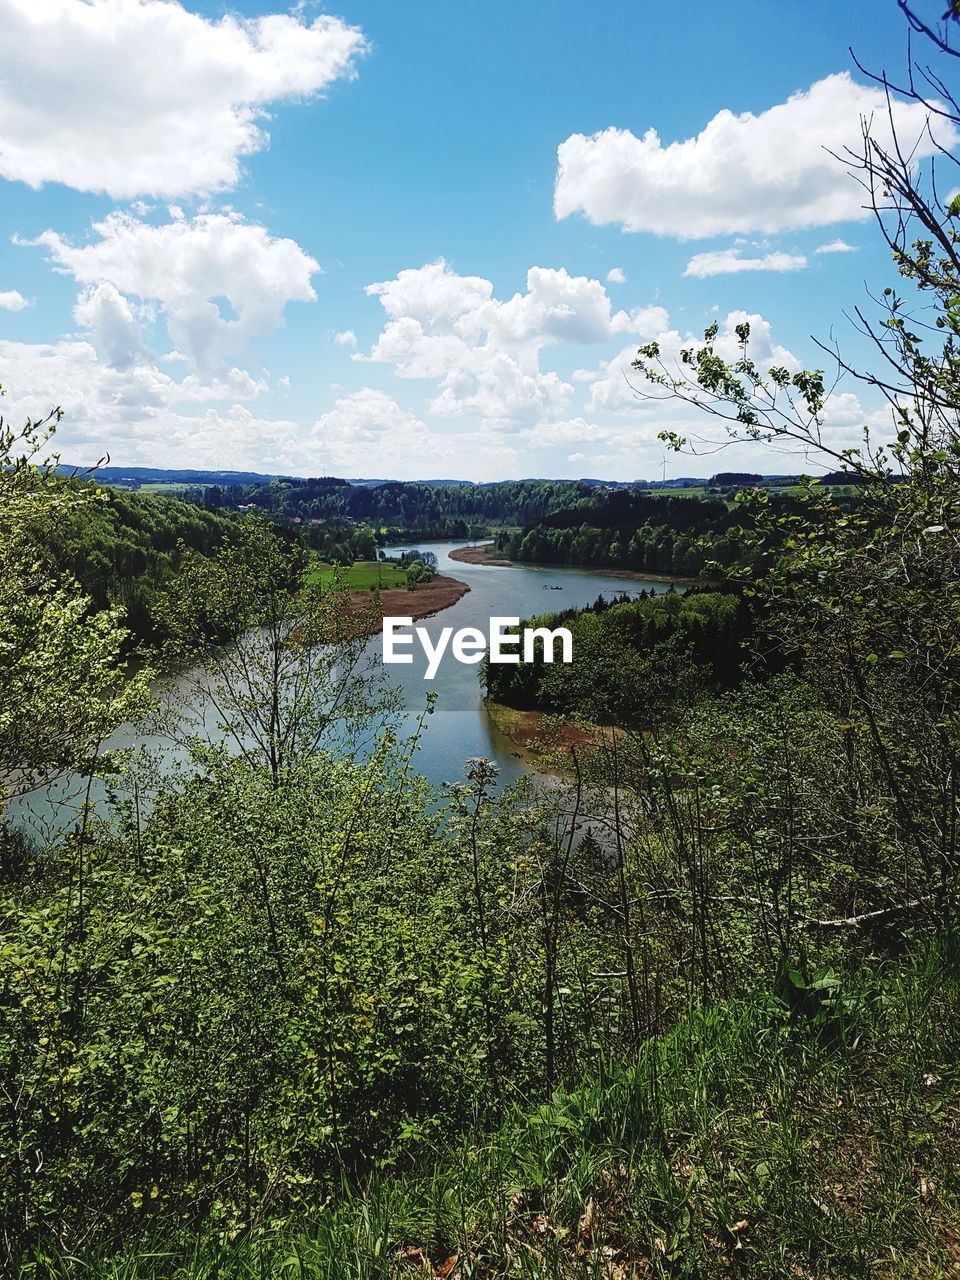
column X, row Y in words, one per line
column 637, row 531
column 125, row 548
column 689, row 1009
column 405, row 511
column 634, row 661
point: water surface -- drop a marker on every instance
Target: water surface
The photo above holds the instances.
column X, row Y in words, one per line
column 459, row 728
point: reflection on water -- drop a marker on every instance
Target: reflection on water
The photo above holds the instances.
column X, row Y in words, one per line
column 459, row 727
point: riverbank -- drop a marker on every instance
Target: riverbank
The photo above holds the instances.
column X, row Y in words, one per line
column 538, row 734
column 397, row 602
column 481, row 555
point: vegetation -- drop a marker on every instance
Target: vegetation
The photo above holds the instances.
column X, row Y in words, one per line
column 634, row 661
column 122, row 548
column 404, row 512
column 632, row 530
column 363, row 575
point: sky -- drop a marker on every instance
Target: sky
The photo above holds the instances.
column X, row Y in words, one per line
column 425, row 240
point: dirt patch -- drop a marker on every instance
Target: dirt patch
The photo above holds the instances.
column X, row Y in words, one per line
column 396, row 602
column 480, row 555
column 636, row 575
column 538, row 734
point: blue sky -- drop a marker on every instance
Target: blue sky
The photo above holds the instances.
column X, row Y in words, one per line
column 197, row 199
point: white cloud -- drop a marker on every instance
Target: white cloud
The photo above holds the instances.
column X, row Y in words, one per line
column 570, row 431
column 189, row 269
column 11, row 300
column 616, row 383
column 368, row 433
column 743, row 173
column 114, row 328
column 576, row 457
column 143, row 97
column 836, row 246
column 345, row 339
column 132, row 413
column 720, row 262
column 485, row 353
column 616, row 275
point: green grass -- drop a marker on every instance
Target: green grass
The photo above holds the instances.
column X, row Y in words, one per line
column 750, row 1140
column 166, row 488
column 360, row 576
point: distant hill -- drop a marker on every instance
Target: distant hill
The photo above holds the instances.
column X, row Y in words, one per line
column 134, row 477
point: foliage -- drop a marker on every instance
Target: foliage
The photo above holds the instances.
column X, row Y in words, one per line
column 743, row 1140
column 637, row 531
column 123, row 548
column 691, row 1007
column 63, row 686
column 274, row 653
column 634, row 661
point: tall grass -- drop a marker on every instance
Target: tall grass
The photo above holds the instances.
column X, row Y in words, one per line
column 754, row 1138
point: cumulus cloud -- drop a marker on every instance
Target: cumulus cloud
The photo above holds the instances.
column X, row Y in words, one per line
column 367, row 433
column 11, row 300
column 345, row 339
column 143, row 97
column 743, row 173
column 615, row 384
column 616, row 275
column 720, row 262
column 484, row 352
column 135, row 413
column 368, row 430
column 836, row 246
column 570, row 431
column 114, row 328
column 188, row 268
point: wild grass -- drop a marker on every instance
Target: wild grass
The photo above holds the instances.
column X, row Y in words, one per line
column 360, row 576
column 755, row 1138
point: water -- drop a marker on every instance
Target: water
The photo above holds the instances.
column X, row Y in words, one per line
column 459, row 727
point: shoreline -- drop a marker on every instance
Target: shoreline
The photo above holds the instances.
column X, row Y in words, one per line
column 540, row 735
column 480, row 555
column 423, row 602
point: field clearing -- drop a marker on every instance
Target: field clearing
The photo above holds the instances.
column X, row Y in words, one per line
column 360, row 576
column 167, row 488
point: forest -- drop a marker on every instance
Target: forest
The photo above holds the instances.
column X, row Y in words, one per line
column 405, row 511
column 689, row 1008
column 636, row 531
column 634, row 660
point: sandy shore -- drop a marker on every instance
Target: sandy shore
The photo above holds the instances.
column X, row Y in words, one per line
column 396, row 602
column 481, row 555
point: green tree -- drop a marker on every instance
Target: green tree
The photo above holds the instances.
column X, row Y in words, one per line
column 64, row 685
column 274, row 663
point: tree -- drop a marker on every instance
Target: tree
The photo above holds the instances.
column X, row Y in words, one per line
column 280, row 661
column 64, row 683
column 865, row 594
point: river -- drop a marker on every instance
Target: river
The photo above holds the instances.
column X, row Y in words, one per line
column 459, row 727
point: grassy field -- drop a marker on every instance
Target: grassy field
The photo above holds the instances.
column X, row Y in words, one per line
column 361, row 576
column 166, row 488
